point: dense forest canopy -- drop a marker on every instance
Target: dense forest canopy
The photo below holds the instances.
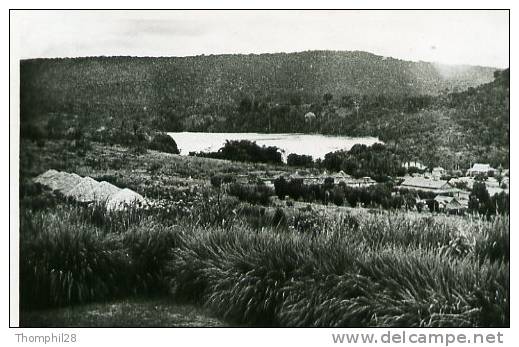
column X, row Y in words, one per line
column 442, row 115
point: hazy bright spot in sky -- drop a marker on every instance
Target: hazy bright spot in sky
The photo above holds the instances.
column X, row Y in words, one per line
column 451, row 37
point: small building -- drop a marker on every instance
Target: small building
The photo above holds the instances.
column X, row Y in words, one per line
column 492, row 182
column 269, row 182
column 460, row 194
column 341, row 176
column 361, row 182
column 462, row 181
column 481, row 169
column 450, row 204
column 438, row 173
column 305, row 179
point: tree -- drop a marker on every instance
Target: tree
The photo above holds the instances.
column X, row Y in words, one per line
column 164, row 143
column 281, row 187
column 433, row 205
column 300, row 160
column 480, row 193
column 337, row 196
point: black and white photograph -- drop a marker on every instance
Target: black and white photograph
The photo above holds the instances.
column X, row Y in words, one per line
column 262, row 169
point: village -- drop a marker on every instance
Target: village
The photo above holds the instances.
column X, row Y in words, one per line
column 435, row 190
column 450, row 189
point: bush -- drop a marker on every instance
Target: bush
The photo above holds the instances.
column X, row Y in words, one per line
column 254, row 194
column 245, row 151
column 377, row 161
column 216, row 181
column 34, row 196
column 219, row 179
column 300, row 160
column 164, row 143
column 281, row 187
column 337, row 196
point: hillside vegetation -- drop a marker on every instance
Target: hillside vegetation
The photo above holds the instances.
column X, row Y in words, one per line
column 208, row 85
column 443, row 115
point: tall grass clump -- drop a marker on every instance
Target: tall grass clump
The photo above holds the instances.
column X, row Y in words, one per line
column 492, row 239
column 343, row 277
column 112, row 221
column 400, row 289
column 63, row 260
column 212, row 208
column 218, row 266
column 149, row 247
column 66, row 259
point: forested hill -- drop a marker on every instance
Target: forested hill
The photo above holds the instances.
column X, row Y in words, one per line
column 179, row 91
column 457, row 129
column 450, row 116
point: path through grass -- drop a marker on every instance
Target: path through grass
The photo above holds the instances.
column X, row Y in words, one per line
column 126, row 313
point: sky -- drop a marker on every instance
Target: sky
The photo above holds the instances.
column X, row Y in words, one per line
column 449, row 37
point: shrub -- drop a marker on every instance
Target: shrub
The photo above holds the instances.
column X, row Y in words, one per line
column 300, row 160
column 34, row 196
column 216, row 181
column 337, row 196
column 254, row 194
column 219, row 179
column 246, row 151
column 164, row 143
column 281, row 187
